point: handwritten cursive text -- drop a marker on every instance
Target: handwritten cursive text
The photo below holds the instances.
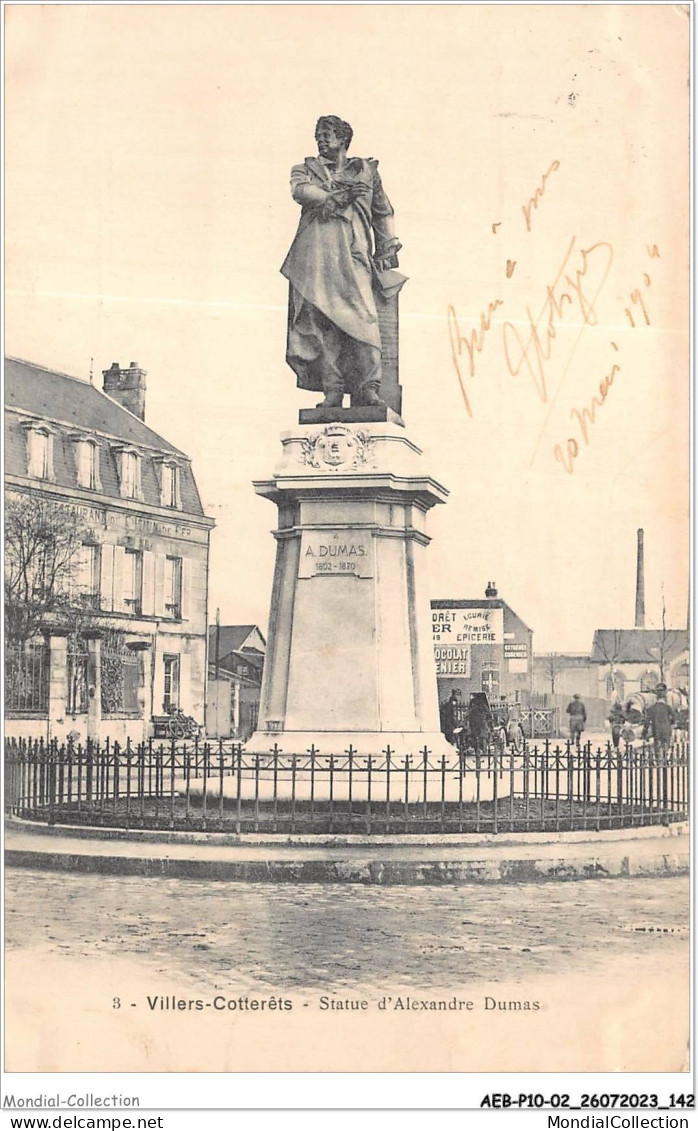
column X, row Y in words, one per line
column 470, row 343
column 531, row 350
column 584, row 417
column 538, row 195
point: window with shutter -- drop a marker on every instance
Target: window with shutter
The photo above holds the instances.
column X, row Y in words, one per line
column 88, row 576
column 88, row 465
column 170, row 698
column 40, row 453
column 148, row 600
column 107, row 578
column 130, row 475
column 173, row 587
column 133, row 581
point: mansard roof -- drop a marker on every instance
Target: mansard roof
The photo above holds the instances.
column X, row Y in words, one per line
column 73, row 407
column 39, row 391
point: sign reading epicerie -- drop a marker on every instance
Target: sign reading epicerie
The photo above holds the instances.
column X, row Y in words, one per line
column 456, row 631
column 348, row 553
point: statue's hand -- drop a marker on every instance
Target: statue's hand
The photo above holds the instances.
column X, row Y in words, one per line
column 357, row 189
column 386, row 258
column 328, row 208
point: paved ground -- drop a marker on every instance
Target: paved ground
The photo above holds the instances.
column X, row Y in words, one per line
column 606, row 961
column 309, row 936
column 578, row 976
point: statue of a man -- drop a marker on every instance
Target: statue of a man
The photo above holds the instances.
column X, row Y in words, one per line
column 344, row 245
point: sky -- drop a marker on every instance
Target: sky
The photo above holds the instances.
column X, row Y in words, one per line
column 148, row 211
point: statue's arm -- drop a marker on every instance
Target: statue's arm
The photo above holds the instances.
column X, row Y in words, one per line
column 383, row 222
column 303, row 190
column 306, row 193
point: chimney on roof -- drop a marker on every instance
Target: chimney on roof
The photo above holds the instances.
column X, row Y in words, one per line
column 640, row 582
column 491, row 590
column 127, row 386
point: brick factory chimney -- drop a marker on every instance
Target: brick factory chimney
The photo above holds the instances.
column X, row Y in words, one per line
column 640, row 583
column 127, row 386
column 491, row 590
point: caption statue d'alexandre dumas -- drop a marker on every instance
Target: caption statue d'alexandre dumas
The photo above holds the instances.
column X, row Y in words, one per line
column 340, row 266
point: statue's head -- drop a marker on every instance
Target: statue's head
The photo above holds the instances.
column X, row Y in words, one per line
column 329, row 130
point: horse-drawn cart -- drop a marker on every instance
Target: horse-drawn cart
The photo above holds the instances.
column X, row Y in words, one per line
column 478, row 726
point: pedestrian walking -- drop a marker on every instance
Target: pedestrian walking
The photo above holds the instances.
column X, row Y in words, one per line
column 628, row 736
column 578, row 717
column 448, row 710
column 616, row 718
column 659, row 720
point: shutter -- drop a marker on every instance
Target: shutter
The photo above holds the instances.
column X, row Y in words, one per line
column 107, row 578
column 118, row 602
column 78, row 584
column 50, row 471
column 148, row 583
column 185, row 601
column 185, row 690
column 33, row 467
column 159, row 585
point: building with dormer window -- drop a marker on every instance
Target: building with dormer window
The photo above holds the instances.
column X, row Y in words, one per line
column 139, row 582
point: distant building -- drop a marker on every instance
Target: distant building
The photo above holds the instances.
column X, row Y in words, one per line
column 637, row 659
column 565, row 674
column 481, row 645
column 236, row 661
column 137, row 645
column 622, row 661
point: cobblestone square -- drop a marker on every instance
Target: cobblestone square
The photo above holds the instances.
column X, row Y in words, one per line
column 604, row 957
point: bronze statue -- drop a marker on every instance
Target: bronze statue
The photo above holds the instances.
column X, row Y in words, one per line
column 339, row 267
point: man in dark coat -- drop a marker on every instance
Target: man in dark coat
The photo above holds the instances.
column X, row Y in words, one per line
column 659, row 719
column 578, row 717
column 616, row 718
column 448, row 711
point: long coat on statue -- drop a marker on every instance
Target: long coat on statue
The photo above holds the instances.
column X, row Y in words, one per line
column 330, row 267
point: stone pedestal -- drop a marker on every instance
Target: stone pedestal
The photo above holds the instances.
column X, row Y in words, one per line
column 349, row 657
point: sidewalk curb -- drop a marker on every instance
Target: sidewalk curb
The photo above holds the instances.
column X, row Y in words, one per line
column 352, row 841
column 413, row 866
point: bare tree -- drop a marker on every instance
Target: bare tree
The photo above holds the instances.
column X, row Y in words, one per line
column 661, row 645
column 551, row 668
column 43, row 543
column 610, row 645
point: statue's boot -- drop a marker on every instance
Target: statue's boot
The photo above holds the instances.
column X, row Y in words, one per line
column 332, row 400
column 368, row 394
column 331, row 377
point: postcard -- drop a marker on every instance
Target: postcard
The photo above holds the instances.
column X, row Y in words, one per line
column 347, row 542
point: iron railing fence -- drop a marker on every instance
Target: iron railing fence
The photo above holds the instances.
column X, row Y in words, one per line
column 27, row 670
column 220, row 787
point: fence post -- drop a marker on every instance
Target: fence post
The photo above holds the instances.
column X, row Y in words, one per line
column 237, row 748
column 220, row 783
column 294, row 760
column 276, row 788
column 387, row 788
column 369, row 769
column 495, row 790
column 312, row 752
column 350, row 755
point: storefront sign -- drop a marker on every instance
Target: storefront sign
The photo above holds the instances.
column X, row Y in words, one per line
column 455, row 626
column 452, row 661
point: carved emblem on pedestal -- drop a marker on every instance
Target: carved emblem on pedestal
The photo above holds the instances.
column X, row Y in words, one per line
column 338, row 448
